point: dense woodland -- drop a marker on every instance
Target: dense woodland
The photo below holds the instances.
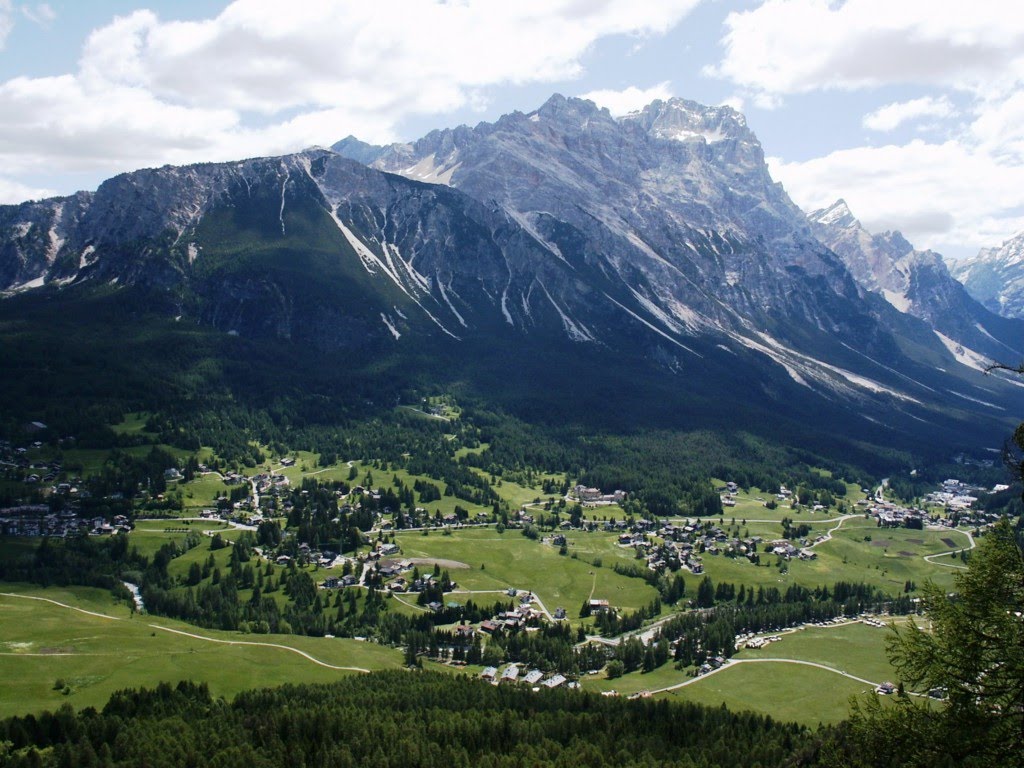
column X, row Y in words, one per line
column 400, row 719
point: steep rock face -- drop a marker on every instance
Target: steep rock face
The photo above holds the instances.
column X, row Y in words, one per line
column 995, row 277
column 671, row 214
column 658, row 241
column 919, row 284
column 405, row 256
column 673, row 204
column 35, row 236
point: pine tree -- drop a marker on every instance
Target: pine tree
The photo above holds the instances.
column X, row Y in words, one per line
column 972, row 654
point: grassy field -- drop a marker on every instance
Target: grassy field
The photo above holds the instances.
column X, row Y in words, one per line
column 510, row 559
column 41, row 642
column 133, row 424
column 857, row 649
column 785, row 691
column 150, row 535
column 858, row 551
column 750, row 505
column 201, row 493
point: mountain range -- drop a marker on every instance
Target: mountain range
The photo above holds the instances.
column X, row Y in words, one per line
column 646, row 264
column 919, row 284
column 995, row 277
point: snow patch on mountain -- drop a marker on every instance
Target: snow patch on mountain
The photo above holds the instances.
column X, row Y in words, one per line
column 575, row 330
column 390, row 326
column 709, row 137
column 430, row 171
column 85, row 258
column 976, row 400
column 963, row 355
column 898, row 300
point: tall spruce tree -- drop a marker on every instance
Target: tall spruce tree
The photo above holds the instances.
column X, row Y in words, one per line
column 971, row 654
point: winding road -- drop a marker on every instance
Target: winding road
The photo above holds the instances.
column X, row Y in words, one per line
column 931, row 558
column 735, row 662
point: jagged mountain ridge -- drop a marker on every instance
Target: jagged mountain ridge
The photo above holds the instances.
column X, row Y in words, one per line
column 659, row 239
column 675, row 203
column 919, row 284
column 154, row 227
column 995, row 277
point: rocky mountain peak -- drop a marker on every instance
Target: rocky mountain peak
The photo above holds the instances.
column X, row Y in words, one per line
column 915, row 282
column 685, row 120
column 995, row 277
column 837, row 215
column 564, row 109
column 660, row 233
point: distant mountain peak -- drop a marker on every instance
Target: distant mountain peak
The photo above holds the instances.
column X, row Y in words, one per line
column 995, row 277
column 683, row 120
column 357, row 150
column 838, row 214
column 915, row 282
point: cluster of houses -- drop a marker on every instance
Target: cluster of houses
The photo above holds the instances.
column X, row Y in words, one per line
column 38, row 520
column 16, row 462
column 265, row 482
column 956, row 496
column 893, row 515
column 534, row 678
column 594, row 497
column 522, row 615
column 682, row 546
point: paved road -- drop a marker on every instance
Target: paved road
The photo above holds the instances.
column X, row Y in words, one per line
column 735, row 662
column 931, row 558
column 830, row 531
column 536, row 597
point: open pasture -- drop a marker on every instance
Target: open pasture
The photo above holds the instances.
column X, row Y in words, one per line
column 41, row 643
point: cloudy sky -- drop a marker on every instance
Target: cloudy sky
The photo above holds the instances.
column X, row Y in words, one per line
column 911, row 110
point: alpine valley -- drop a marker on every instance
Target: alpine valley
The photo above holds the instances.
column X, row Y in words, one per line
column 563, row 265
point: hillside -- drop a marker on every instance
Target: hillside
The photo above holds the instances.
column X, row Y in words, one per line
column 651, row 256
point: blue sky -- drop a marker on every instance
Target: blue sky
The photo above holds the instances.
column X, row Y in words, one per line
column 912, row 111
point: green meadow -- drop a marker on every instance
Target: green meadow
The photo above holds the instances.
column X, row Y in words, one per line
column 497, row 561
column 784, row 690
column 93, row 656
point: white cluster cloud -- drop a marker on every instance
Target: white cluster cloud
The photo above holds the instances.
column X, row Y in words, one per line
column 629, row 99
column 891, row 116
column 14, row 191
column 958, row 192
column 946, row 196
column 264, row 78
column 798, row 46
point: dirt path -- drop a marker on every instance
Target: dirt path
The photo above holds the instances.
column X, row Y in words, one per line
column 181, row 632
column 398, row 597
column 62, row 605
column 259, row 645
